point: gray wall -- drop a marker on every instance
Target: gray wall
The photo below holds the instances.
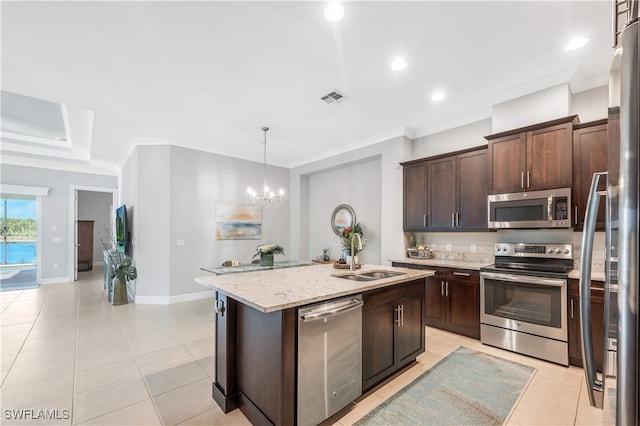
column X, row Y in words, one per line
column 55, row 212
column 173, row 192
column 359, row 186
column 372, row 164
column 97, row 206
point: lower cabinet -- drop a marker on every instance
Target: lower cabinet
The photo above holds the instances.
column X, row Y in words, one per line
column 597, row 322
column 452, row 299
column 392, row 330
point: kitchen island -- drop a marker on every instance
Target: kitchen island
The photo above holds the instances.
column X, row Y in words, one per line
column 256, row 331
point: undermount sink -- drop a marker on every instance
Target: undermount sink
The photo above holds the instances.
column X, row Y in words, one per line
column 370, row 276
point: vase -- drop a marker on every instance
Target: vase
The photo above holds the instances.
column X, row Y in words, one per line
column 119, row 291
column 266, row 260
column 345, row 252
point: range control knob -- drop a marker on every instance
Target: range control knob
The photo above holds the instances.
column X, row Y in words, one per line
column 566, row 251
column 558, row 251
column 550, row 250
column 504, row 249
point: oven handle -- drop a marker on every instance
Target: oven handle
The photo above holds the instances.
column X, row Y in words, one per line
column 595, row 387
column 525, row 279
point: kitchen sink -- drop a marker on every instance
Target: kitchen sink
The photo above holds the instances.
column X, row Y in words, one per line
column 370, row 276
column 378, row 275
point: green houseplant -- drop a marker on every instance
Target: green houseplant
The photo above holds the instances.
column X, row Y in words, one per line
column 123, row 272
column 348, row 234
column 266, row 252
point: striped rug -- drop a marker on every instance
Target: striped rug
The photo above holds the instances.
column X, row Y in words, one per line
column 467, row 387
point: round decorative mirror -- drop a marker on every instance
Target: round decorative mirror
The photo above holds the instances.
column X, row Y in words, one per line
column 343, row 217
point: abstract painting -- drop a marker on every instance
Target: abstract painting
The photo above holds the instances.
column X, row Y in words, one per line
column 238, row 221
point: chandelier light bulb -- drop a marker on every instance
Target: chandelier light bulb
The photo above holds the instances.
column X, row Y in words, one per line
column 267, row 194
column 398, row 64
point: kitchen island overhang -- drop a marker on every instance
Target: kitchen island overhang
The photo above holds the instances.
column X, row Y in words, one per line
column 256, row 330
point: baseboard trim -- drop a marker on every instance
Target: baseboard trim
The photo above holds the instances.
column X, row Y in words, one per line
column 167, row 300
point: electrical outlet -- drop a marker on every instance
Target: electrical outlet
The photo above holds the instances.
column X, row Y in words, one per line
column 55, row 266
column 448, row 247
column 180, row 242
column 54, row 228
column 474, row 248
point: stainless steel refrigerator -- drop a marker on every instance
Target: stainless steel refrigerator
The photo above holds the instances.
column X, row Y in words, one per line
column 617, row 389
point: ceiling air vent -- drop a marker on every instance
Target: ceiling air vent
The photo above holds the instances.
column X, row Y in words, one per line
column 334, row 97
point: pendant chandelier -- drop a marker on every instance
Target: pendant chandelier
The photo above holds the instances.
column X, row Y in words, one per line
column 267, row 195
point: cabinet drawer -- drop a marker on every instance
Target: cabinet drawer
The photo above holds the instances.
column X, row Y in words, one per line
column 389, row 294
column 463, row 274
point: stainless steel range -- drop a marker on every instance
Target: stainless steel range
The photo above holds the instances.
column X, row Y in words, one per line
column 523, row 300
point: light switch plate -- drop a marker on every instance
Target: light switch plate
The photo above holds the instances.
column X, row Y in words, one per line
column 474, row 248
column 448, row 247
column 180, row 242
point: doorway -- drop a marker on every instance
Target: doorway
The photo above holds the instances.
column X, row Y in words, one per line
column 19, row 242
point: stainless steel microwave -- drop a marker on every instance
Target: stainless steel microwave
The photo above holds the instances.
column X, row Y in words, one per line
column 534, row 209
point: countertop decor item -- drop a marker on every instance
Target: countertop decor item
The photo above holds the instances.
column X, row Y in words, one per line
column 347, row 235
column 266, row 252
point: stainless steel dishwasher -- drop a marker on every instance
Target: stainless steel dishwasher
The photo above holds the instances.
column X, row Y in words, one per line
column 329, row 358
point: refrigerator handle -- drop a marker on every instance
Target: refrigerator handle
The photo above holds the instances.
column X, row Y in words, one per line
column 595, row 387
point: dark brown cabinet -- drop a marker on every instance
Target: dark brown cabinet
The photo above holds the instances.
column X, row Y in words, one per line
column 532, row 158
column 447, row 193
column 597, row 323
column 589, row 157
column 85, row 245
column 415, row 196
column 453, row 301
column 392, row 330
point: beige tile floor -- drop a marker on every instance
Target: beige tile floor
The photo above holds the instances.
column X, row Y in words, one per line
column 66, row 350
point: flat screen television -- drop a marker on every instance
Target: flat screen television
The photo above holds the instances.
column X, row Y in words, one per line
column 122, row 231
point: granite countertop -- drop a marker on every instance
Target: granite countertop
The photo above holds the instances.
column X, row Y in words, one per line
column 278, row 289
column 446, row 263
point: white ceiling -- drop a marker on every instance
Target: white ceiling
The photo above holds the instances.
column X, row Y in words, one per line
column 209, row 75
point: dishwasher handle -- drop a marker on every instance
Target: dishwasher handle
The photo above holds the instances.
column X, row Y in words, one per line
column 314, row 316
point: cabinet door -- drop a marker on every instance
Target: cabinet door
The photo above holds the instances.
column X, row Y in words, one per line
column 463, row 302
column 472, row 190
column 507, row 160
column 411, row 329
column 597, row 324
column 442, row 194
column 589, row 157
column 415, row 197
column 435, row 310
column 549, row 157
column 378, row 343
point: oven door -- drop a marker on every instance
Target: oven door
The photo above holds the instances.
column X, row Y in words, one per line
column 529, row 304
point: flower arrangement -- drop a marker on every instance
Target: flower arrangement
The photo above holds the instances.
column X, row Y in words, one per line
column 121, row 268
column 268, row 249
column 348, row 235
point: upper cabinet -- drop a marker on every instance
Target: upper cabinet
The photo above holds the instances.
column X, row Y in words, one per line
column 447, row 192
column 589, row 157
column 532, row 158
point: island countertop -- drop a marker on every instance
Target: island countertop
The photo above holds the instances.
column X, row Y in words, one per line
column 278, row 289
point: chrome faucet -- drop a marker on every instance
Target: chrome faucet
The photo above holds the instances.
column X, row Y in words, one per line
column 353, row 256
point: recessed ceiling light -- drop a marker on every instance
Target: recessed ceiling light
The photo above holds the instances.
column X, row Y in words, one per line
column 437, row 96
column 334, row 12
column 576, row 43
column 398, row 64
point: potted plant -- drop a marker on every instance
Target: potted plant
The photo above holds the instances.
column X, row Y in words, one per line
column 348, row 234
column 266, row 252
column 123, row 272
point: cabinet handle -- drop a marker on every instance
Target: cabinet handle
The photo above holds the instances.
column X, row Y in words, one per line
column 462, row 274
column 441, row 288
column 575, row 214
column 528, row 178
column 453, row 220
column 522, row 180
column 401, row 315
column 424, row 220
column 571, row 303
column 457, row 219
column 447, row 289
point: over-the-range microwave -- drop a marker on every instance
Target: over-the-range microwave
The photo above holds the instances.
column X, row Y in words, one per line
column 535, row 209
